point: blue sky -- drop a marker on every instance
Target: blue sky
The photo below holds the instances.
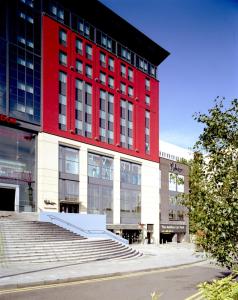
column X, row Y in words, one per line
column 202, row 37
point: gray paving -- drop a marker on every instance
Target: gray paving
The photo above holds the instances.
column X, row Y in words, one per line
column 155, row 257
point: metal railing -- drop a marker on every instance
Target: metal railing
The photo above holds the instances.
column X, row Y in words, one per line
column 89, row 232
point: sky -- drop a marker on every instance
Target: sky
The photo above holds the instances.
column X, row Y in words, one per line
column 202, row 38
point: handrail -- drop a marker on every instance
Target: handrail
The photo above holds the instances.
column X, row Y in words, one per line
column 89, row 231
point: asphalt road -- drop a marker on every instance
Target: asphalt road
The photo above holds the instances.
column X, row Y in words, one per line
column 173, row 284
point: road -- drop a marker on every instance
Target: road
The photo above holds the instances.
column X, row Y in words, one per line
column 176, row 283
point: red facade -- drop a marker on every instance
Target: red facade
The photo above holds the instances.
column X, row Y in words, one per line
column 51, row 68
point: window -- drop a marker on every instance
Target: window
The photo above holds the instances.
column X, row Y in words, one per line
column 63, row 37
column 102, row 59
column 62, row 100
column 123, row 70
column 106, row 121
column 126, row 124
column 84, row 28
column 147, row 132
column 89, row 51
column 57, row 12
column 130, row 74
column 28, row 2
column 111, row 82
column 130, row 193
column 102, row 78
column 147, row 84
column 126, row 54
column 152, row 70
column 26, row 17
column 25, row 63
column 106, row 42
column 79, row 106
column 63, row 58
column 100, row 185
column 130, row 91
column 147, row 99
column 88, row 71
column 68, row 175
column 88, row 110
column 111, row 64
column 79, row 46
column 123, row 88
column 79, row 66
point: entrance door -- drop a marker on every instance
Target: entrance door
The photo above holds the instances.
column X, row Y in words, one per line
column 7, row 199
column 69, row 208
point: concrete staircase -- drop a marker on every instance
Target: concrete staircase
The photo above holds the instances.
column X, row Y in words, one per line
column 35, row 242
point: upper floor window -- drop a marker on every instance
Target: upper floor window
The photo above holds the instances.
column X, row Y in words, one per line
column 106, row 42
column 83, row 27
column 79, row 66
column 147, row 84
column 111, row 82
column 147, row 99
column 89, row 51
column 130, row 74
column 28, row 2
column 152, row 70
column 126, row 54
column 79, row 46
column 130, row 91
column 63, row 37
column 110, row 63
column 123, row 88
column 123, row 70
column 102, row 78
column 63, row 58
column 88, row 71
column 26, row 17
column 57, row 12
column 103, row 59
column 68, row 160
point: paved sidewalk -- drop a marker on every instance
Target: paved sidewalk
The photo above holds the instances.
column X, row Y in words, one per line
column 155, row 257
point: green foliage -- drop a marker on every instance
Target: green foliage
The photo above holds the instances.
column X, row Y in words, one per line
column 222, row 289
column 155, row 296
column 213, row 198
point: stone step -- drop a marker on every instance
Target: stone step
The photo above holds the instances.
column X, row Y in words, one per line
column 66, row 256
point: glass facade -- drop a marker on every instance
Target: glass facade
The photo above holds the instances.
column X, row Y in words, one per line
column 106, row 117
column 126, row 124
column 100, row 185
column 68, row 175
column 17, row 169
column 130, row 193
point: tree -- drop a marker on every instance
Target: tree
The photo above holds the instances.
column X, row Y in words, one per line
column 213, row 198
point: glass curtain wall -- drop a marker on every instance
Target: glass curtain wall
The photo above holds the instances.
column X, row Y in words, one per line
column 100, row 185
column 130, row 193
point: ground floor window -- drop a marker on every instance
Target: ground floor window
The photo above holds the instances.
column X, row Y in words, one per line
column 130, row 206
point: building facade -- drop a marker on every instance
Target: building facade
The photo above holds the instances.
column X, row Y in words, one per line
column 79, row 114
column 174, row 222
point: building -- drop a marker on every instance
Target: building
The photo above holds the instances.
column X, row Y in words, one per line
column 174, row 182
column 79, row 114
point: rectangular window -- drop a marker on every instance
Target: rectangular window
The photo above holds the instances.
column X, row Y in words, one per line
column 126, row 54
column 79, row 46
column 111, row 82
column 106, row 42
column 130, row 192
column 152, row 70
column 130, row 91
column 63, row 37
column 68, row 175
column 147, row 99
column 28, row 2
column 26, row 17
column 57, row 12
column 62, row 100
column 79, row 66
column 89, row 51
column 130, row 74
column 126, row 124
column 106, row 121
column 123, row 70
column 123, row 88
column 89, row 71
column 63, row 58
column 102, row 78
column 79, row 105
column 147, row 84
column 147, row 132
column 111, row 64
column 102, row 59
column 88, row 111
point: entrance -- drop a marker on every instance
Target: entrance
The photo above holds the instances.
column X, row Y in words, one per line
column 69, row 208
column 7, row 199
